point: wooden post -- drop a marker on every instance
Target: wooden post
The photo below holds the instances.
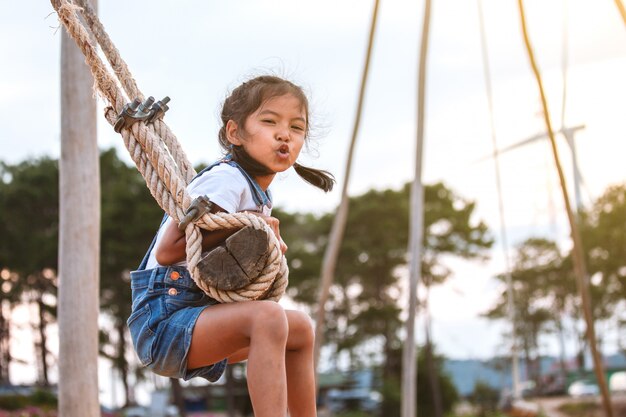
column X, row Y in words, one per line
column 621, row 9
column 339, row 223
column 79, row 238
column 578, row 256
column 409, row 360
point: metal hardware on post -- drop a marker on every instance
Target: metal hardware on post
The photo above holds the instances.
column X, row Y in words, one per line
column 199, row 207
column 158, row 110
column 144, row 108
column 148, row 112
column 124, row 119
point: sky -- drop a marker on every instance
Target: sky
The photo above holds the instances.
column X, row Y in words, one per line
column 196, row 52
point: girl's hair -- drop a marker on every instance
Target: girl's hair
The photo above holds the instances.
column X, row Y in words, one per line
column 245, row 100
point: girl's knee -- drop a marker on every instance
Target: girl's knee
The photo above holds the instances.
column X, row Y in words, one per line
column 301, row 325
column 270, row 317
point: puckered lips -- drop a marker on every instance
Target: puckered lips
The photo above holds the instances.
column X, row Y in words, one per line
column 283, row 151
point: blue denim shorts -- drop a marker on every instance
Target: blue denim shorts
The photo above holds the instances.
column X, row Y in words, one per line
column 166, row 305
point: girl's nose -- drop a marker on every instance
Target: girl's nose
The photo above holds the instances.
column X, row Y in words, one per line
column 283, row 134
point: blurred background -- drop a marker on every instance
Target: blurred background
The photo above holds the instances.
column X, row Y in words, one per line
column 196, row 52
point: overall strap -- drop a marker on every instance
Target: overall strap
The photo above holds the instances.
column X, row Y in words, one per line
column 261, row 198
column 144, row 261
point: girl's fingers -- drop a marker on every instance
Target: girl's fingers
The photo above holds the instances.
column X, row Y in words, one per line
column 274, row 224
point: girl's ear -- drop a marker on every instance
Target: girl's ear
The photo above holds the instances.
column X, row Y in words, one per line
column 232, row 133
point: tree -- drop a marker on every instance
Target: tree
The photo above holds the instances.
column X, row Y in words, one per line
column 374, row 253
column 485, row 397
column 364, row 303
column 604, row 231
column 538, row 274
column 28, row 257
column 306, row 236
column 130, row 218
column 543, row 276
column 331, row 253
column 29, row 197
column 425, row 404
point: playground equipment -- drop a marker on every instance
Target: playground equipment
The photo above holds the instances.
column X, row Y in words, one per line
column 166, row 169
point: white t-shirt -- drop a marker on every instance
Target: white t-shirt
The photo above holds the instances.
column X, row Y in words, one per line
column 225, row 186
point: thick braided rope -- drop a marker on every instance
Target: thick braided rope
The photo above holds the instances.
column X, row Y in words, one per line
column 170, row 187
column 160, row 171
column 129, row 84
column 108, row 89
column 271, row 282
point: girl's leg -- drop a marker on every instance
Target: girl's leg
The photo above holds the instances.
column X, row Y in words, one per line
column 299, row 365
column 226, row 329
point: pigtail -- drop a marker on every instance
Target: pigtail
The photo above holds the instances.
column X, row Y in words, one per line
column 317, row 177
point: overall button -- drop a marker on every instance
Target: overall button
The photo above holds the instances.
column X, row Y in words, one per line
column 172, row 291
column 174, row 275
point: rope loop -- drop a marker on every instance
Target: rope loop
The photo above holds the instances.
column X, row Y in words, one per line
column 160, row 159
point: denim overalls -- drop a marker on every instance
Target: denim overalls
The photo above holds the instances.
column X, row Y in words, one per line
column 166, row 305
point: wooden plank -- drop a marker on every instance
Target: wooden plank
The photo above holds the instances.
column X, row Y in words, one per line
column 237, row 262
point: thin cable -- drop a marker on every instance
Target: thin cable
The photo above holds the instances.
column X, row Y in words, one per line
column 564, row 62
column 503, row 234
column 331, row 253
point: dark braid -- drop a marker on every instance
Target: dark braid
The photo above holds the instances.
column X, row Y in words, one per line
column 319, row 178
column 245, row 100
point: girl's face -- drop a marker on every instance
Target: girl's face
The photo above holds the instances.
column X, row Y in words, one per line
column 273, row 135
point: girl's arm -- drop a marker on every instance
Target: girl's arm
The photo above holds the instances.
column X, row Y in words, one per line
column 172, row 246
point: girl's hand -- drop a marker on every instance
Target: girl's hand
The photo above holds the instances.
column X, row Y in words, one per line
column 273, row 223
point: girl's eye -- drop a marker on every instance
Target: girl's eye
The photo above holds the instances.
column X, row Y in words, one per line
column 298, row 128
column 269, row 121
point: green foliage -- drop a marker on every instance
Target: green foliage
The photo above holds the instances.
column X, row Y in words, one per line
column 485, row 397
column 13, row 402
column 29, row 207
column 353, row 414
column 41, row 398
column 306, row 236
column 545, row 289
column 447, row 390
column 29, row 223
column 365, row 298
column 130, row 219
column 604, row 238
column 425, row 399
column 579, row 409
column 29, row 226
column 539, row 273
column 392, row 398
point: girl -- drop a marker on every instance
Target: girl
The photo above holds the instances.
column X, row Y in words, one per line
column 177, row 330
